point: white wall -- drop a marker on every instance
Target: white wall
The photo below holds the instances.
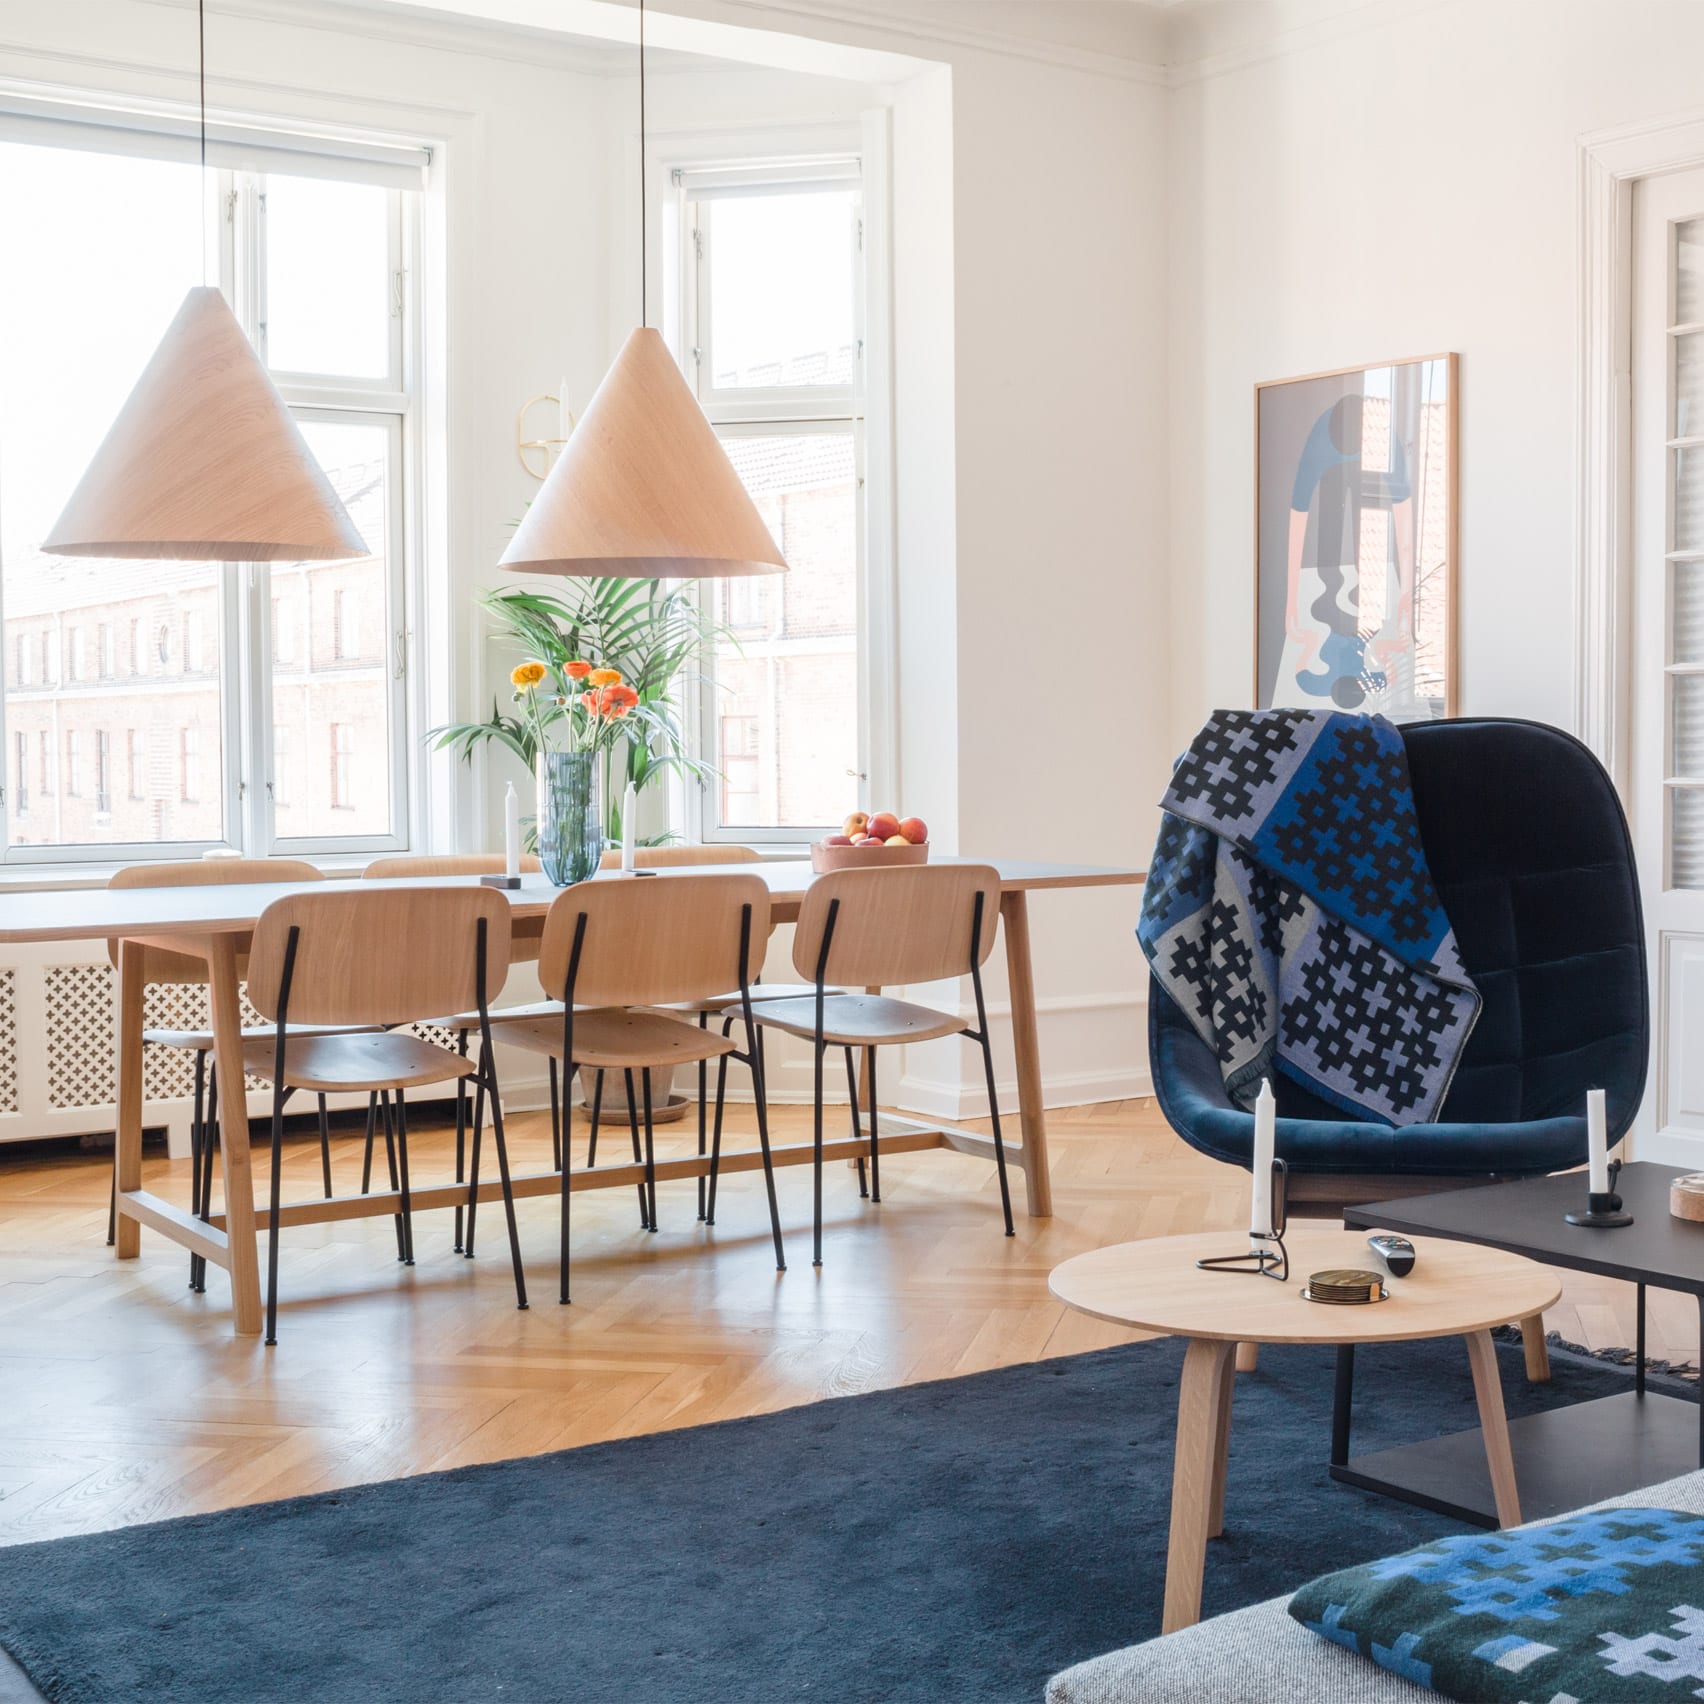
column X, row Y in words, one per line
column 1399, row 184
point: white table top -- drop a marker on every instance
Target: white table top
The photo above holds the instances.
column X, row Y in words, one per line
column 93, row 913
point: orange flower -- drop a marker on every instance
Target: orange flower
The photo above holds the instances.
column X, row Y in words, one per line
column 605, row 677
column 527, row 674
column 620, row 697
column 590, row 700
column 576, row 671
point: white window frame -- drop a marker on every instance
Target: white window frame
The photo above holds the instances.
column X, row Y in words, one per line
column 241, row 628
column 688, row 170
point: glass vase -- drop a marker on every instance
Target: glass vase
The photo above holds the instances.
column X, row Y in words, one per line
column 570, row 816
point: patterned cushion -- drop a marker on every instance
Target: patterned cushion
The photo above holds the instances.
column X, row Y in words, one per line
column 1606, row 1606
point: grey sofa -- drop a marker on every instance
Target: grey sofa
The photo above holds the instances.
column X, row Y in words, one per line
column 1259, row 1655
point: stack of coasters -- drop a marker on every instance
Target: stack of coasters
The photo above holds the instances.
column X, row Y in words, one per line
column 1596, row 1608
column 1344, row 1287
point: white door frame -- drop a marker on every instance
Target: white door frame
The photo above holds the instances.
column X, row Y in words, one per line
column 1609, row 163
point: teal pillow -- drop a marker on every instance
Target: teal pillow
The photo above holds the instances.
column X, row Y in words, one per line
column 1599, row 1608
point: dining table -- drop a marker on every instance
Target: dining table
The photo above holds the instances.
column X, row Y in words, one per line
column 214, row 923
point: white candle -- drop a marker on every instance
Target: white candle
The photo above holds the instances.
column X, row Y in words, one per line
column 1597, row 1142
column 629, row 831
column 511, row 832
column 1265, row 1142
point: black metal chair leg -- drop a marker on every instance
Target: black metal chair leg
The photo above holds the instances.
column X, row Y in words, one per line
column 367, row 1158
column 390, row 1158
column 650, row 1150
column 857, row 1130
column 638, row 1156
column 703, row 1111
column 875, row 1152
column 816, row 1169
column 473, row 1161
column 760, row 1088
column 272, row 1207
column 488, row 1064
column 402, row 1155
column 999, row 1145
column 325, row 1146
column 716, row 1140
column 597, row 1115
column 555, row 1117
column 197, row 1135
column 461, row 1133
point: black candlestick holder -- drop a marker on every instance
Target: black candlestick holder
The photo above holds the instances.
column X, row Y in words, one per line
column 1267, row 1256
column 1603, row 1212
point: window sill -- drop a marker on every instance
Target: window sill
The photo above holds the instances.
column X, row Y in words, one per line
column 68, row 877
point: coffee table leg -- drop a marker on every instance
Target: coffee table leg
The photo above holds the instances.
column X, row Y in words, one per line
column 1227, row 1388
column 1494, row 1423
column 1202, row 1413
column 1342, row 1401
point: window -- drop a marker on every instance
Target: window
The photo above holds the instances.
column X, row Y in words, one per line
column 319, row 268
column 345, row 624
column 44, row 769
column 342, row 755
column 772, row 305
column 21, row 774
column 283, row 790
column 189, row 765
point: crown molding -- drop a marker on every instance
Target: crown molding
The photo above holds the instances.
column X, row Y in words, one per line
column 1295, row 38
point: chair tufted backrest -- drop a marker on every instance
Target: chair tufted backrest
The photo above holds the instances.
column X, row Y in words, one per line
column 1531, row 856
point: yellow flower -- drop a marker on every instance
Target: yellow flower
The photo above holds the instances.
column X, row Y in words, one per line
column 604, row 677
column 528, row 674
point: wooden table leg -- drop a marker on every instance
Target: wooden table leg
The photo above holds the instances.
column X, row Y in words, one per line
column 1537, row 1350
column 1227, row 1388
column 1494, row 1423
column 1020, row 987
column 234, row 1158
column 127, row 1140
column 1201, row 1418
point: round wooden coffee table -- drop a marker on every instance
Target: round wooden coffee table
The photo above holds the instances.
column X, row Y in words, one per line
column 1455, row 1290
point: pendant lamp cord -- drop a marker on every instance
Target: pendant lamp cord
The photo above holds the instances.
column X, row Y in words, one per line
column 201, row 47
column 644, row 217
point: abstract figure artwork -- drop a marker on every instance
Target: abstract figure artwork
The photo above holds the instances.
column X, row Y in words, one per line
column 1355, row 540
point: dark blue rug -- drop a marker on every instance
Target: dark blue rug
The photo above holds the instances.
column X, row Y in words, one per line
column 951, row 1541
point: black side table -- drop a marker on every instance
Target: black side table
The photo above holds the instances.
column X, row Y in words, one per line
column 1585, row 1451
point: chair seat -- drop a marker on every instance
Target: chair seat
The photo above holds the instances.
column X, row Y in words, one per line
column 366, row 1060
column 612, row 1039
column 201, row 1041
column 859, row 1020
column 761, row 993
column 499, row 1015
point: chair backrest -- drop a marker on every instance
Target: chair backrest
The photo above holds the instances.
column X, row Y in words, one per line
column 159, row 965
column 1530, row 854
column 651, row 943
column 891, row 927
column 412, row 867
column 385, row 955
column 680, row 857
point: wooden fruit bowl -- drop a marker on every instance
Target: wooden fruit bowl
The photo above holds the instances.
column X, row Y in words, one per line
column 826, row 858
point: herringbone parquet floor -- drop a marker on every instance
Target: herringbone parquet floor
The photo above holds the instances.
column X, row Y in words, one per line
column 125, row 1398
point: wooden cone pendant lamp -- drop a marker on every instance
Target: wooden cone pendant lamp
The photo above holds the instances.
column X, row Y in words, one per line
column 204, row 461
column 643, row 488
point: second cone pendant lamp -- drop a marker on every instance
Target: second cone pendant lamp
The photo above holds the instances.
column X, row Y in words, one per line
column 643, row 488
column 204, row 461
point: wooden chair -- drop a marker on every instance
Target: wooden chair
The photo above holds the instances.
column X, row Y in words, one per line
column 623, row 949
column 884, row 929
column 161, row 965
column 415, row 867
column 376, row 958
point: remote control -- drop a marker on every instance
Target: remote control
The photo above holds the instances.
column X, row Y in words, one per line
column 1396, row 1252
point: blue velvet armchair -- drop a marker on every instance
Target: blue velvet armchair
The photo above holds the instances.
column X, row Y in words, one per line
column 1530, row 854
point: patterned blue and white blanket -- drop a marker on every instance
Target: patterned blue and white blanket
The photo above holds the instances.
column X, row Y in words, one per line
column 1290, row 914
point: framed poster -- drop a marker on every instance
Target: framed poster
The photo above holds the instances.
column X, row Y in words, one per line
column 1355, row 540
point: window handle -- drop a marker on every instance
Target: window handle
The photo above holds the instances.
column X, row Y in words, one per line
column 401, row 652
column 857, row 774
